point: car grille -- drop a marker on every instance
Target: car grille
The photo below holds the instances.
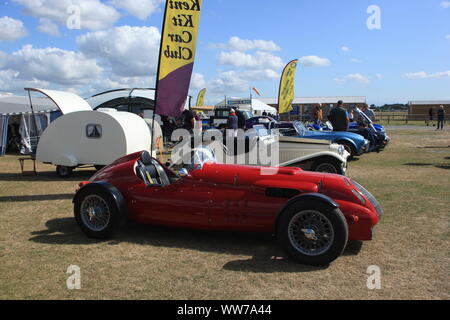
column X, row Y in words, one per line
column 371, row 198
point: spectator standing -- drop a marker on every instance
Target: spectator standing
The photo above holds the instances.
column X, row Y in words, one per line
column 232, row 124
column 317, row 114
column 430, row 116
column 369, row 113
column 188, row 121
column 338, row 117
column 441, row 118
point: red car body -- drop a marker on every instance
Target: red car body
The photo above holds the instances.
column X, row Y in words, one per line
column 233, row 197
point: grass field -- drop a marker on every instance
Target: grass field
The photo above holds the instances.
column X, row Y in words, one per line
column 39, row 240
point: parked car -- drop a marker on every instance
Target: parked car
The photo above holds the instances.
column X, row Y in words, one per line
column 307, row 154
column 220, row 118
column 312, row 215
column 266, row 121
column 353, row 143
column 375, row 133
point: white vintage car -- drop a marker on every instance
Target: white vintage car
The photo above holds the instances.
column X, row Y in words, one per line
column 307, row 154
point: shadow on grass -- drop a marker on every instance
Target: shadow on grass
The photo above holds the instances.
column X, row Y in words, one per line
column 434, row 147
column 46, row 176
column 49, row 197
column 439, row 166
column 267, row 256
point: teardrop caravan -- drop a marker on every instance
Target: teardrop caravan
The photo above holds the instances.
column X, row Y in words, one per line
column 82, row 136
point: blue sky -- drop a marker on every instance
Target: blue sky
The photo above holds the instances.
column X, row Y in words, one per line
column 407, row 59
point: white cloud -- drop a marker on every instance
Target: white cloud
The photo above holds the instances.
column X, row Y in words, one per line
column 11, row 29
column 49, row 27
column 52, row 65
column 3, row 57
column 355, row 60
column 447, row 37
column 345, row 49
column 95, row 15
column 259, row 60
column 242, row 45
column 445, row 4
column 229, row 81
column 10, row 81
column 314, row 61
column 379, row 76
column 128, row 51
column 354, row 77
column 424, row 75
column 197, row 81
column 139, row 8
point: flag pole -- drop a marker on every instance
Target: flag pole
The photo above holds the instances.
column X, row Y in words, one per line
column 157, row 80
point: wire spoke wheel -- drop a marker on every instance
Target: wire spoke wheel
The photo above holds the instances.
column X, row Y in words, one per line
column 95, row 213
column 311, row 232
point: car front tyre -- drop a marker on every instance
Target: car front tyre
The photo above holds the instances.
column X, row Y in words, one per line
column 312, row 233
column 328, row 166
column 97, row 214
column 349, row 148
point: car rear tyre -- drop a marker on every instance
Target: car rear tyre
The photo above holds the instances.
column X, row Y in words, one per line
column 97, row 214
column 63, row 171
column 328, row 166
column 349, row 148
column 312, row 233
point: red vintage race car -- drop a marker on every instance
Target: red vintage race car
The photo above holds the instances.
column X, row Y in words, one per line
column 312, row 215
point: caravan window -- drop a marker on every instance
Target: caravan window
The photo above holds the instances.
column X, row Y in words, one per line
column 94, row 131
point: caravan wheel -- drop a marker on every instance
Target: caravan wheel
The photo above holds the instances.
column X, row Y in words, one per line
column 63, row 171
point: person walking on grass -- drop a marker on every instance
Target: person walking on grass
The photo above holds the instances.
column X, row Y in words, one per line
column 440, row 118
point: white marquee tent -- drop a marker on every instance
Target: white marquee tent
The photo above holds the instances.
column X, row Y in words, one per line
column 257, row 107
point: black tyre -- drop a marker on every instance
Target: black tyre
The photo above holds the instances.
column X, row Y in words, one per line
column 349, row 148
column 63, row 171
column 312, row 232
column 328, row 165
column 97, row 214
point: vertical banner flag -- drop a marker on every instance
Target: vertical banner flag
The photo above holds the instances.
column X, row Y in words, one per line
column 201, row 98
column 286, row 93
column 177, row 55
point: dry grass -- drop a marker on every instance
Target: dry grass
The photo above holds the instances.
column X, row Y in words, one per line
column 39, row 240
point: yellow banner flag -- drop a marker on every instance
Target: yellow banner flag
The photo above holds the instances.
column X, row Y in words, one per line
column 201, row 98
column 286, row 94
column 177, row 55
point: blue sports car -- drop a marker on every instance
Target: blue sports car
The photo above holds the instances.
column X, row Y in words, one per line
column 355, row 144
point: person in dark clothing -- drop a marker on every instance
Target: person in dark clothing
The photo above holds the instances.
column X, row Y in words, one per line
column 232, row 124
column 338, row 117
column 441, row 118
column 430, row 116
column 167, row 128
column 188, row 121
